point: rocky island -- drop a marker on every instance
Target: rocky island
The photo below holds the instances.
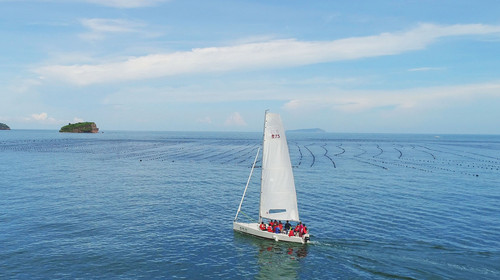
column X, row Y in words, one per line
column 81, row 127
column 4, row 126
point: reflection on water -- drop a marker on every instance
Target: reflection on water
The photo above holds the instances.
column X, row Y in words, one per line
column 275, row 260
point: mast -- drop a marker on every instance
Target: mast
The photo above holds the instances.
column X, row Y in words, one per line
column 262, row 161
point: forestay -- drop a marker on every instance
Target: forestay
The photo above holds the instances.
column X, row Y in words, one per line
column 278, row 199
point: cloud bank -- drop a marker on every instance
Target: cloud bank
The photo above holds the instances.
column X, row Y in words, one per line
column 235, row 119
column 41, row 118
column 401, row 100
column 262, row 55
column 99, row 27
column 110, row 25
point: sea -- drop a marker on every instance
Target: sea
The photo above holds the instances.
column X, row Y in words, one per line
column 160, row 205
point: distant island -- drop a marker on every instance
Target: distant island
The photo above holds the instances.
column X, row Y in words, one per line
column 4, row 126
column 307, row 130
column 81, row 127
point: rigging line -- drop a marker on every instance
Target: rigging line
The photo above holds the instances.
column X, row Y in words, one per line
column 248, row 182
column 250, row 218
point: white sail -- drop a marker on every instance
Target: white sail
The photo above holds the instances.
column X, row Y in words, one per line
column 278, row 199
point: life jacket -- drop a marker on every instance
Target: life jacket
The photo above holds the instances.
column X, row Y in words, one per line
column 298, row 229
column 270, row 229
column 291, row 233
column 262, row 226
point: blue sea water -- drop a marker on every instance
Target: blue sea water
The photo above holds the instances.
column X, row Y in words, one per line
column 154, row 205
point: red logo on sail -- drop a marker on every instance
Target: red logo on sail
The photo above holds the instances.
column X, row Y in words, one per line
column 275, row 134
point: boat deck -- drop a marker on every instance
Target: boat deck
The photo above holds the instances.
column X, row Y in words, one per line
column 253, row 229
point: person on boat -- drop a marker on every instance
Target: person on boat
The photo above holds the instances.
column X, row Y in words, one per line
column 298, row 228
column 270, row 227
column 280, row 225
column 304, row 230
column 291, row 233
column 262, row 226
column 287, row 226
column 277, row 229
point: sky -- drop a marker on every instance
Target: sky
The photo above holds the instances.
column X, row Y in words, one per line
column 386, row 66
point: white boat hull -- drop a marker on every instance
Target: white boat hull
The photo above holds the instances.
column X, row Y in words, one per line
column 253, row 229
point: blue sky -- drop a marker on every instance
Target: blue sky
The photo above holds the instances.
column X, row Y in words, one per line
column 397, row 66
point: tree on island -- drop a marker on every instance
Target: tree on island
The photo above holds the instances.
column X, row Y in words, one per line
column 4, row 126
column 81, row 127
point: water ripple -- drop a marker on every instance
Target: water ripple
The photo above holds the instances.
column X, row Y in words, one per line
column 160, row 205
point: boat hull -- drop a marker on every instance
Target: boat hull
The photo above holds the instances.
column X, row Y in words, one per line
column 253, row 229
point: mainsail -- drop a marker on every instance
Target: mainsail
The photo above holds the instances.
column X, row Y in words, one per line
column 278, row 199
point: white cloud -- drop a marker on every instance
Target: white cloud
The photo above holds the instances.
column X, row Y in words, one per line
column 44, row 119
column 100, row 27
column 110, row 25
column 40, row 117
column 235, row 119
column 271, row 54
column 208, row 92
column 205, row 120
column 400, row 100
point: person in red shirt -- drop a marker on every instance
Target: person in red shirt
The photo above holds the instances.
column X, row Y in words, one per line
column 270, row 228
column 262, row 226
column 298, row 229
column 291, row 233
column 303, row 230
column 280, row 225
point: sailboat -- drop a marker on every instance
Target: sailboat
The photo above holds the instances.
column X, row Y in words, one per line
column 278, row 199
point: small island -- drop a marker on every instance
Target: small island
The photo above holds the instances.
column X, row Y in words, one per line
column 81, row 127
column 4, row 126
